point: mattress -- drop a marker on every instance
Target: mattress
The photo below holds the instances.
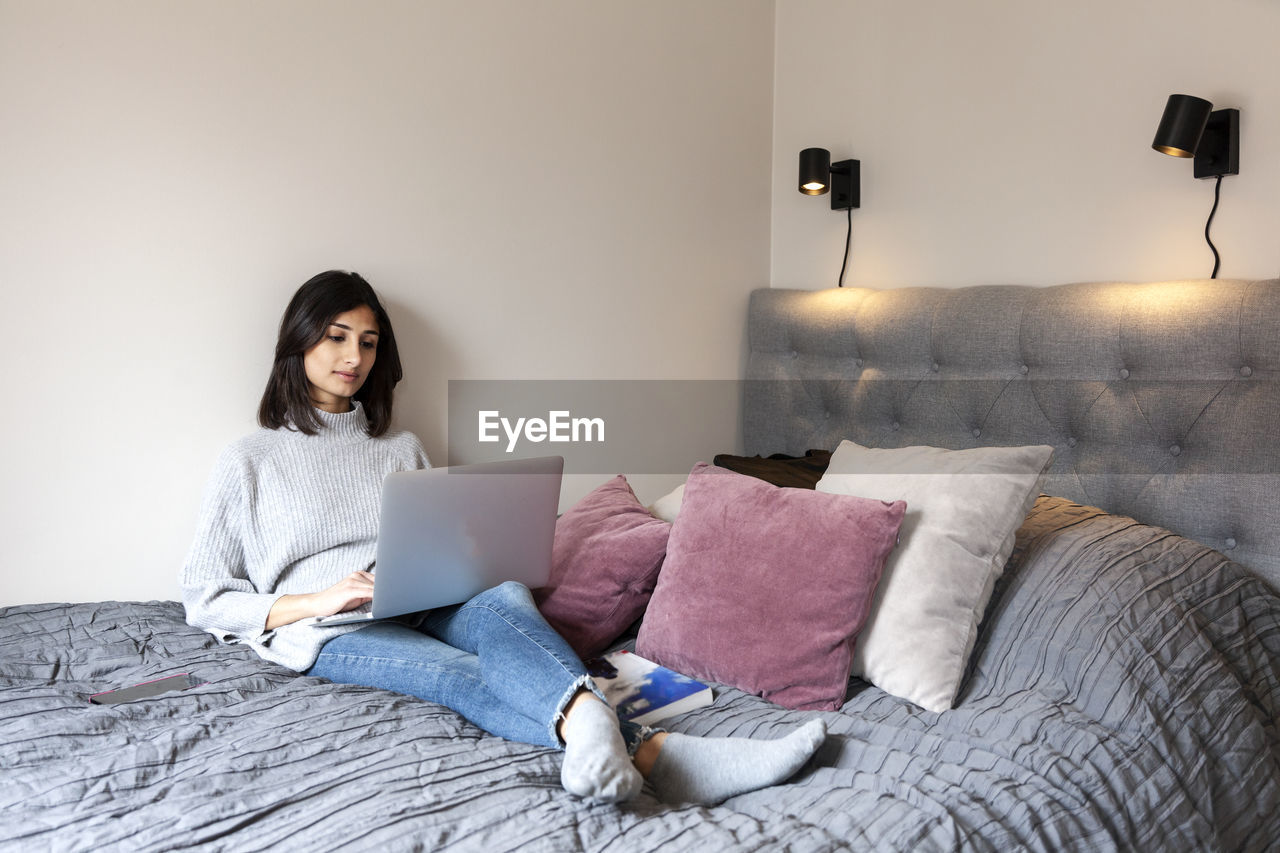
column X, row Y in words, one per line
column 1123, row 695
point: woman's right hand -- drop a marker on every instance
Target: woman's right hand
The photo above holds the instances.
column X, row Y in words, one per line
column 347, row 594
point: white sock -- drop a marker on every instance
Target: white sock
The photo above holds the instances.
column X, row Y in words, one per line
column 596, row 764
column 710, row 770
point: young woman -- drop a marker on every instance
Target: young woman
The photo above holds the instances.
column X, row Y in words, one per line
column 287, row 532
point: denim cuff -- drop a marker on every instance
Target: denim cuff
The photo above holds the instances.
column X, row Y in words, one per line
column 582, row 681
column 635, row 734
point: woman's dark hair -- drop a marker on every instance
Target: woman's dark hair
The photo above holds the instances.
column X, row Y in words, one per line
column 287, row 400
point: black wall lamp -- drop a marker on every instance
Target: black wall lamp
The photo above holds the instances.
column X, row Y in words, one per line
column 818, row 176
column 842, row 179
column 1191, row 127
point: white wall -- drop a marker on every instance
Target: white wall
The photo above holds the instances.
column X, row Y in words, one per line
column 559, row 189
column 1006, row 141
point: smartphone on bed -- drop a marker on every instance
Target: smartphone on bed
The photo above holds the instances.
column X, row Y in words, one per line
column 145, row 690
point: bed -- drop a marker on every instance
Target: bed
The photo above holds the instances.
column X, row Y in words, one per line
column 1121, row 692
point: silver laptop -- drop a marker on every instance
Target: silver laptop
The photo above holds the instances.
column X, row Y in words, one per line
column 449, row 533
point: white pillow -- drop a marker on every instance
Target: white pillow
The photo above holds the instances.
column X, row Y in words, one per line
column 963, row 508
column 667, row 507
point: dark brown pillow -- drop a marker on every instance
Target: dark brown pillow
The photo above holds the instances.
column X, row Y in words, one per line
column 797, row 472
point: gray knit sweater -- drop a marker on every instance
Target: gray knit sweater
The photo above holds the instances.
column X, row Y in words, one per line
column 289, row 513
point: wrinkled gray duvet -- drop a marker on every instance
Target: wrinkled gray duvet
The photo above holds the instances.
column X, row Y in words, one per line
column 1123, row 696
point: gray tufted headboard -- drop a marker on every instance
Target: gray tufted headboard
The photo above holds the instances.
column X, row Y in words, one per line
column 1162, row 401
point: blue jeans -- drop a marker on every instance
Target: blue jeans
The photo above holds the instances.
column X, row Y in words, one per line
column 493, row 659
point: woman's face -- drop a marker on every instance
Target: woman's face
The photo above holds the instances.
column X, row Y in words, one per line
column 339, row 364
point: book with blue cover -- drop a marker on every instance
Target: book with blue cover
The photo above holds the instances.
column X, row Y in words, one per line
column 644, row 692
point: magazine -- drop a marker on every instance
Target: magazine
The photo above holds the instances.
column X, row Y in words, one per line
column 644, row 692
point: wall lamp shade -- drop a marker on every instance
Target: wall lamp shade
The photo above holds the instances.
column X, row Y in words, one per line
column 815, row 169
column 1182, row 125
column 1190, row 127
column 818, row 176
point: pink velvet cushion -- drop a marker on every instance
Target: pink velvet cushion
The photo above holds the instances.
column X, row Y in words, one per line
column 607, row 553
column 765, row 588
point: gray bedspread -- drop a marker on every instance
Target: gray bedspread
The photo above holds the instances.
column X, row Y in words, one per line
column 1123, row 696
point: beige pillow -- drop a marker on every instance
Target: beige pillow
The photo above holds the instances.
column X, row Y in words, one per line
column 667, row 507
column 963, row 508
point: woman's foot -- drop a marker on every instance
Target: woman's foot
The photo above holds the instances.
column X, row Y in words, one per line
column 707, row 770
column 596, row 764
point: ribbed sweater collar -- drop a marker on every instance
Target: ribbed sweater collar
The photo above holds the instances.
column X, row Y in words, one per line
column 345, row 427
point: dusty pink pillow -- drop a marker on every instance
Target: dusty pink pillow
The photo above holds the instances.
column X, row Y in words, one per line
column 765, row 588
column 607, row 553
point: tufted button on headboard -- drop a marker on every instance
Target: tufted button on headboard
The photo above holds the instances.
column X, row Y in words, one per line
column 1162, row 401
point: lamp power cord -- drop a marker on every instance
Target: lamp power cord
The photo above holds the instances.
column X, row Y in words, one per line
column 848, row 235
column 1217, row 189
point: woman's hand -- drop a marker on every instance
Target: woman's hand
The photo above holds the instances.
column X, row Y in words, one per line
column 347, row 594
